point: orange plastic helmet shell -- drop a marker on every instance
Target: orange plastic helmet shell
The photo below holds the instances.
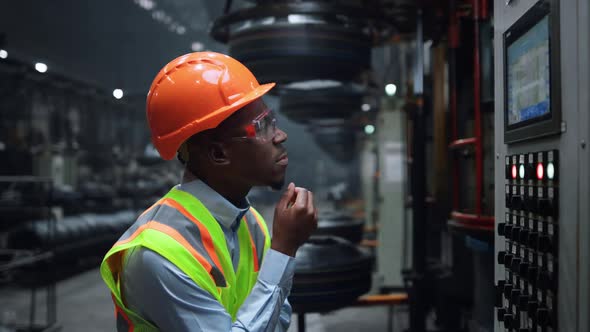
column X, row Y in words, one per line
column 196, row 92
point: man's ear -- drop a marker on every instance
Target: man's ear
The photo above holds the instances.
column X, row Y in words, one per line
column 218, row 153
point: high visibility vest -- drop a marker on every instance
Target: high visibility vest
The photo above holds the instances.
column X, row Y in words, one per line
column 181, row 229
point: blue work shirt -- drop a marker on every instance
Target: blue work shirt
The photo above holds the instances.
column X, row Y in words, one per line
column 167, row 297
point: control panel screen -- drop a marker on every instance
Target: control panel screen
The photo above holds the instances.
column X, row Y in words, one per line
column 528, row 76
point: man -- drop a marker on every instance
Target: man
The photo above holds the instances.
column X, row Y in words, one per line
column 201, row 259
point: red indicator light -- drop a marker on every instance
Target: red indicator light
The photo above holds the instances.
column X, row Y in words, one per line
column 540, row 171
column 514, row 171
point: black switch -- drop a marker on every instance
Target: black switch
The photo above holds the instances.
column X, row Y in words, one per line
column 508, row 230
column 507, row 289
column 508, row 197
column 509, row 321
column 515, row 264
column 501, row 313
column 523, row 301
column 514, row 235
column 530, row 167
column 532, row 307
column 516, row 202
column 545, row 207
column 501, row 257
column 523, row 236
column 548, row 203
column 523, row 269
column 501, row 229
column 532, row 240
column 543, row 317
column 514, row 295
column 545, row 244
column 533, row 274
column 508, row 168
column 545, row 280
column 499, row 289
column 530, row 199
column 508, row 260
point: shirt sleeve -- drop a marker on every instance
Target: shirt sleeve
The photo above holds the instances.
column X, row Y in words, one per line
column 285, row 317
column 164, row 295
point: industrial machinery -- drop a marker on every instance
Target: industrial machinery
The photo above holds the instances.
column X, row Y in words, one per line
column 541, row 167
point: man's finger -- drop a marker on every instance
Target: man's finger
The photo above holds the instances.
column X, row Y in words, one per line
column 302, row 195
column 310, row 206
column 288, row 196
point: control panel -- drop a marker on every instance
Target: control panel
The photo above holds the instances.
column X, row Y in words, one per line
column 526, row 298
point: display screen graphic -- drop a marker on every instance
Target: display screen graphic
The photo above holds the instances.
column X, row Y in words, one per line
column 528, row 77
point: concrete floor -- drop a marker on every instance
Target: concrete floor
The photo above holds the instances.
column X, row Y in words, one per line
column 84, row 304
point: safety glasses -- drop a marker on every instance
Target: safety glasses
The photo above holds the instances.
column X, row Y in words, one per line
column 262, row 128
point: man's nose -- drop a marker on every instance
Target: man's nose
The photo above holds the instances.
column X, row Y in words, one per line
column 280, row 136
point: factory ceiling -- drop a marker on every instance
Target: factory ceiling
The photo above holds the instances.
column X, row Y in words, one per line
column 112, row 43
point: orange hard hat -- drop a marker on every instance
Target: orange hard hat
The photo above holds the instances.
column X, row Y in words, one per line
column 196, row 92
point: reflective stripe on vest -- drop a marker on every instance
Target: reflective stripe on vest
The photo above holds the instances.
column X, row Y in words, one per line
column 182, row 230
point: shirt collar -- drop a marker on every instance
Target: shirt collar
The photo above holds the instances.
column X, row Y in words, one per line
column 226, row 214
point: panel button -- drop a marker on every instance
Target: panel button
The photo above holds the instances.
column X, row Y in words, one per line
column 508, row 168
column 508, row 260
column 523, row 236
column 547, row 203
column 507, row 289
column 501, row 312
column 530, row 166
column 509, row 321
column 532, row 240
column 516, row 202
column 532, row 307
column 501, row 229
column 543, row 317
column 515, row 264
column 545, row 280
column 552, row 165
column 523, row 301
column 545, row 243
column 533, row 274
column 530, row 199
column 501, row 257
column 514, row 234
column 514, row 296
column 499, row 293
column 508, row 229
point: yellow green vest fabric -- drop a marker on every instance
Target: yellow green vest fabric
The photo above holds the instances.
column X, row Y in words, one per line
column 181, row 229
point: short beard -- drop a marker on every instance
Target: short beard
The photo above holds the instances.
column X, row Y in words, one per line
column 277, row 185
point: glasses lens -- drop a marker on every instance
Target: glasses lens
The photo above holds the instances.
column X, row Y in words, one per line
column 266, row 126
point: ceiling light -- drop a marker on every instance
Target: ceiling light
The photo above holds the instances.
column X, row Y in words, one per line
column 146, row 4
column 41, row 67
column 118, row 93
column 158, row 15
column 390, row 89
column 197, row 46
column 3, row 54
column 369, row 129
column 366, row 107
column 180, row 30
